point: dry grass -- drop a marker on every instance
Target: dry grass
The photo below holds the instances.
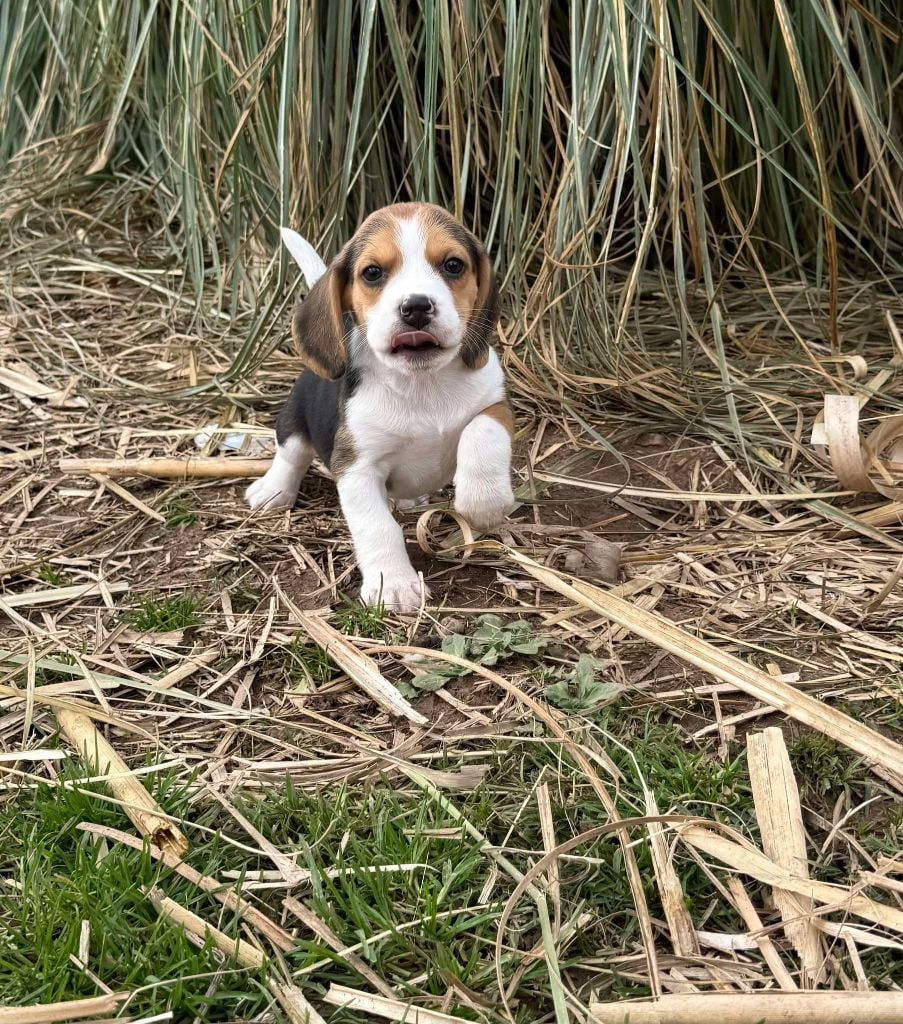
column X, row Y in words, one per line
column 695, row 210
column 167, row 614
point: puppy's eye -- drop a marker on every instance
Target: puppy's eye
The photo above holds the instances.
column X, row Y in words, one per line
column 372, row 274
column 453, row 266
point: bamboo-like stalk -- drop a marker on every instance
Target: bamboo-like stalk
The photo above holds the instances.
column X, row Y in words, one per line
column 146, row 815
column 756, row 1008
column 224, row 468
column 58, row 1013
column 778, row 811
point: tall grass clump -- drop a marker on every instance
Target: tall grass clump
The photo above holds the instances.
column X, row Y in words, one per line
column 663, row 184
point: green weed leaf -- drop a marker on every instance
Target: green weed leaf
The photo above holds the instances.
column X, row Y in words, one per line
column 581, row 689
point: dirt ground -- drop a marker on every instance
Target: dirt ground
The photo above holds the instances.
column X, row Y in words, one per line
column 728, row 571
column 172, row 617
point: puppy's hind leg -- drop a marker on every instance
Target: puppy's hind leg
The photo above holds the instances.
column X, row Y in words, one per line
column 278, row 488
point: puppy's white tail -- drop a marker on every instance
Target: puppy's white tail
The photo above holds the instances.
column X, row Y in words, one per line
column 304, row 254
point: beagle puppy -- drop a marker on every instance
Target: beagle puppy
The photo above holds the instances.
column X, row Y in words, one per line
column 403, row 392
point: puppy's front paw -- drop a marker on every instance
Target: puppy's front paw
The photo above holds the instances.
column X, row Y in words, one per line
column 271, row 491
column 398, row 591
column 484, row 505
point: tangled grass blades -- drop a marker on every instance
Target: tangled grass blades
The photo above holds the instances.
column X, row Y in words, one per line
column 695, row 211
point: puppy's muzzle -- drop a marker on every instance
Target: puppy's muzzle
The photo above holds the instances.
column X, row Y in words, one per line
column 416, row 311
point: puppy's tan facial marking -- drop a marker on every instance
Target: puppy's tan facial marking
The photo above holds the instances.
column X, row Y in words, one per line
column 375, row 246
column 379, row 250
column 444, row 246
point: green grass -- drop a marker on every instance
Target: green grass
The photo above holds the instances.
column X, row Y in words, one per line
column 53, row 877
column 827, row 768
column 179, row 512
column 884, row 838
column 52, row 576
column 306, row 663
column 371, row 621
column 160, row 614
column 60, row 879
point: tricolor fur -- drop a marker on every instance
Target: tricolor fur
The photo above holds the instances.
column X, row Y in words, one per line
column 403, row 393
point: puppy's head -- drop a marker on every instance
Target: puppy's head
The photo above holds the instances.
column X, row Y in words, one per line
column 418, row 285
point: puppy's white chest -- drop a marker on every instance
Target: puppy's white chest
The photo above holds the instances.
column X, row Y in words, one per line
column 411, row 434
column 413, row 442
column 422, row 465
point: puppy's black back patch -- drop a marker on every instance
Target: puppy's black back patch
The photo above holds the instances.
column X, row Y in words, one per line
column 312, row 410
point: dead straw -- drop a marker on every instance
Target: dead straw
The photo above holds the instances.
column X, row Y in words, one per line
column 146, row 815
column 780, row 818
column 873, row 746
column 58, row 1013
column 756, row 1008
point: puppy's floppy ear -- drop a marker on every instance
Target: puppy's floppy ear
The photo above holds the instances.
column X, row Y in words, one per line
column 485, row 315
column 317, row 326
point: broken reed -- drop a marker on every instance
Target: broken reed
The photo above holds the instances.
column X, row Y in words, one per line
column 609, row 153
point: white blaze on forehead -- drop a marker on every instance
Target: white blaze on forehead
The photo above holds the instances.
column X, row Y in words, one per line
column 411, row 239
column 411, row 235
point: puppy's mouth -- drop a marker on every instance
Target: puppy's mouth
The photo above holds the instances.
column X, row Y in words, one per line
column 409, row 342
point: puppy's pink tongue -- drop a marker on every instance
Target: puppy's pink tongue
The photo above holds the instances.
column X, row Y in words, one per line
column 412, row 339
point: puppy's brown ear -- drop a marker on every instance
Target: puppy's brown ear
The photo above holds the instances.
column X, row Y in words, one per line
column 485, row 315
column 317, row 326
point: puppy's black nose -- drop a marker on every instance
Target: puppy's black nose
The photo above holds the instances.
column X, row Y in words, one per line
column 416, row 310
